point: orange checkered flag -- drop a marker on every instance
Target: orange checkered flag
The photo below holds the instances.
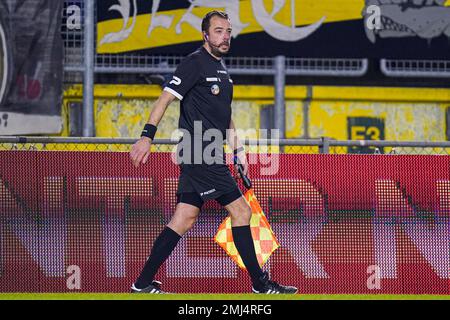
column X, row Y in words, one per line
column 263, row 237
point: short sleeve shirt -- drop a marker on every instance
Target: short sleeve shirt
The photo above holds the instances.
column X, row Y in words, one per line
column 205, row 89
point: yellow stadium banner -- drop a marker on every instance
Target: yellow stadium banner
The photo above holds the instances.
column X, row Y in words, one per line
column 263, row 237
column 306, row 28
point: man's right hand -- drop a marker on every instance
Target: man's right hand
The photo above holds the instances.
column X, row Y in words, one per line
column 140, row 151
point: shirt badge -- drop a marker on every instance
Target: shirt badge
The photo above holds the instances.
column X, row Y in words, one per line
column 215, row 90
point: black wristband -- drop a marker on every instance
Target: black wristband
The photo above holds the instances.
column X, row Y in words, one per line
column 236, row 151
column 149, row 131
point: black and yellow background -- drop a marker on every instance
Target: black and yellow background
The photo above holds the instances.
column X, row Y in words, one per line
column 341, row 36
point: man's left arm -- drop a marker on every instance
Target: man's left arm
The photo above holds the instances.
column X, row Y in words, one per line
column 237, row 147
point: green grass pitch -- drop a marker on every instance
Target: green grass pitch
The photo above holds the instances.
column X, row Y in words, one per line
column 125, row 296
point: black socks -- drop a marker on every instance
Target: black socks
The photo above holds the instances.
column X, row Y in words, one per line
column 168, row 240
column 242, row 237
column 162, row 248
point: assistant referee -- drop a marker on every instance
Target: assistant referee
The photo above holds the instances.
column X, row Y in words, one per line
column 205, row 89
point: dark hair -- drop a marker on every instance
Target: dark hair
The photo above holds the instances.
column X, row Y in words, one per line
column 206, row 22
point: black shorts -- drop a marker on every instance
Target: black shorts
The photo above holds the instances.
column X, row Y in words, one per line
column 198, row 183
column 194, row 199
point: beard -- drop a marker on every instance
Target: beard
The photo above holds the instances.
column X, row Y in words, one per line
column 215, row 50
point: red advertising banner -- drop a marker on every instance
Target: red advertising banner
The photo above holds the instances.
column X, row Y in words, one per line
column 86, row 221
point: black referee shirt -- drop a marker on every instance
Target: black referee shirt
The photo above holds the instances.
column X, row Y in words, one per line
column 205, row 89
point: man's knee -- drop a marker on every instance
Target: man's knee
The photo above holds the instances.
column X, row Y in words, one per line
column 241, row 215
column 183, row 220
column 181, row 226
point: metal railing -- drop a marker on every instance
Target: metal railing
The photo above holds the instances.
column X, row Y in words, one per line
column 299, row 146
column 415, row 68
column 129, row 63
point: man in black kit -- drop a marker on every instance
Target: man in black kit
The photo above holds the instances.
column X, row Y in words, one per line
column 205, row 89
